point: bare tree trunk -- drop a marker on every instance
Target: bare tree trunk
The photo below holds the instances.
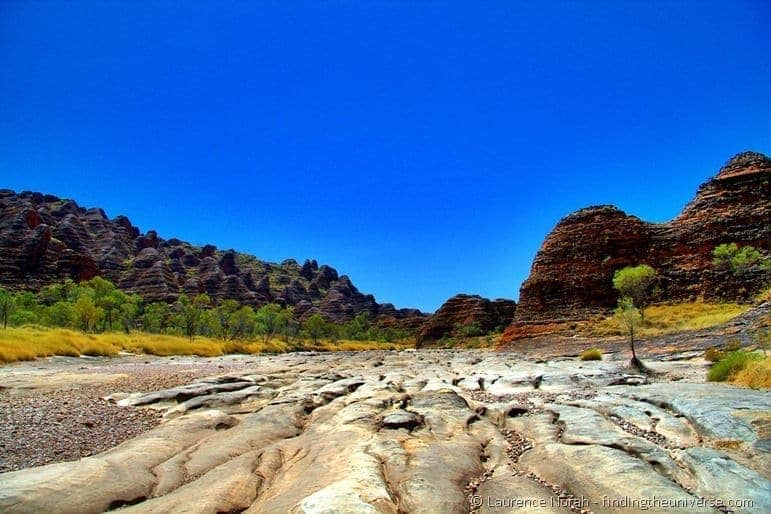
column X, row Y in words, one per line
column 635, row 362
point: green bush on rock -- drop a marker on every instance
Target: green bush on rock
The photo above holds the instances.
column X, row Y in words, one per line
column 731, row 364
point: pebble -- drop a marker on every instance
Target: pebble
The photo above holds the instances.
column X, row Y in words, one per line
column 33, row 431
column 39, row 427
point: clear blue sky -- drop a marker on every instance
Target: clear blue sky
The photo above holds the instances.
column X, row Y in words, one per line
column 424, row 149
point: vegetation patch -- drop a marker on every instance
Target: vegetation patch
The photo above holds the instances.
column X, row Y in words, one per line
column 715, row 354
column 667, row 319
column 756, row 374
column 27, row 343
column 96, row 318
column 731, row 364
column 591, row 354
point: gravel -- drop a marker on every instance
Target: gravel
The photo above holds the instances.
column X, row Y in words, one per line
column 44, row 426
column 64, row 425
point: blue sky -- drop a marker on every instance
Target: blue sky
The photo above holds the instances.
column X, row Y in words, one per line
column 423, row 148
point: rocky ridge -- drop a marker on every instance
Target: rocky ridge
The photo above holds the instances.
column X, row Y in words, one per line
column 486, row 315
column 571, row 276
column 45, row 239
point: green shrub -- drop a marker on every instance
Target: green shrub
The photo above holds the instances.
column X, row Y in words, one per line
column 731, row 364
column 592, row 354
column 738, row 260
column 471, row 329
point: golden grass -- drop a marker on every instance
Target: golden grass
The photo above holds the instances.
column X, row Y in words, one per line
column 27, row 343
column 756, row 375
column 666, row 319
column 358, row 346
column 591, row 354
column 467, row 342
column 764, row 296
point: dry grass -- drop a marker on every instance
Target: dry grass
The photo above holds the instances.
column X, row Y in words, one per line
column 763, row 296
column 756, row 374
column 727, row 444
column 666, row 319
column 27, row 343
column 591, row 354
column 358, row 346
column 713, row 354
column 731, row 364
column 467, row 342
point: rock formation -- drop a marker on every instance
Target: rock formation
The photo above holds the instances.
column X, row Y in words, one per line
column 466, row 309
column 571, row 277
column 45, row 239
column 418, row 432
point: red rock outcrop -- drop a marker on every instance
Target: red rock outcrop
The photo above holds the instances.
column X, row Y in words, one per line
column 45, row 239
column 464, row 309
column 571, row 276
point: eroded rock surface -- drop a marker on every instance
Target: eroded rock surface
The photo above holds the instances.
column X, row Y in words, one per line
column 432, row 431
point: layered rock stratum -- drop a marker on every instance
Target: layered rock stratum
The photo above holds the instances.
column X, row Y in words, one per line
column 467, row 310
column 45, row 239
column 571, row 276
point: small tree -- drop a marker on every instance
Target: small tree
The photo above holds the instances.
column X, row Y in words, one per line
column 286, row 325
column 156, row 317
column 111, row 302
column 129, row 311
column 315, row 326
column 738, row 260
column 25, row 309
column 242, row 323
column 51, row 294
column 332, row 332
column 357, row 328
column 191, row 312
column 60, row 314
column 630, row 318
column 6, row 305
column 87, row 313
column 268, row 318
column 635, row 283
column 225, row 311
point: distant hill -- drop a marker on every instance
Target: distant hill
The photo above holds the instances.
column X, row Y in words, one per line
column 45, row 239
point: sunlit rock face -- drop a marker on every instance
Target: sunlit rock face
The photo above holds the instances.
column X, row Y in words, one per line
column 571, row 277
column 463, row 310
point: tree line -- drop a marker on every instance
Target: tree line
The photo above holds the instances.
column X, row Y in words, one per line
column 97, row 305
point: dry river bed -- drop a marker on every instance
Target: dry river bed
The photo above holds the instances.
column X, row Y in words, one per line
column 434, row 431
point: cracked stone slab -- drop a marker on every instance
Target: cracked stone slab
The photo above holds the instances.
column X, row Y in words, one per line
column 404, row 432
